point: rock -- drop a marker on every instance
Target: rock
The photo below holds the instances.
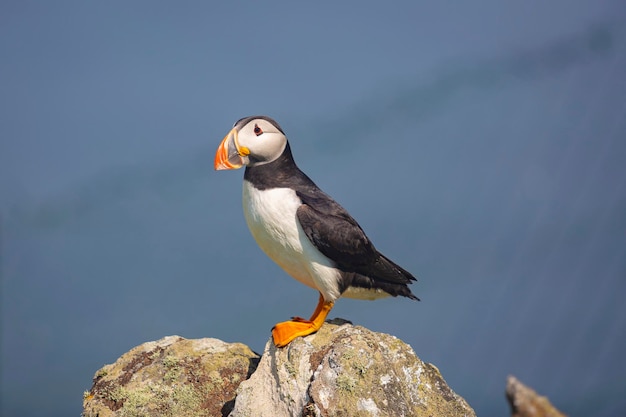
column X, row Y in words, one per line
column 525, row 402
column 346, row 370
column 342, row 370
column 171, row 377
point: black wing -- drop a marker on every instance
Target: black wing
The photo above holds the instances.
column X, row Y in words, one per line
column 340, row 238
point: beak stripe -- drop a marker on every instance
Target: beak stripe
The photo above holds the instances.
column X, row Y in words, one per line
column 228, row 158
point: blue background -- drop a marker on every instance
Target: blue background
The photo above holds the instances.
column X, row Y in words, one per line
column 482, row 146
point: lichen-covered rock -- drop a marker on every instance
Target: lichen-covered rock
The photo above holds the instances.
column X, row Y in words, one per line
column 342, row 370
column 171, row 377
column 345, row 370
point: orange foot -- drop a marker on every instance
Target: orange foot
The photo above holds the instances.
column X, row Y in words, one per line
column 285, row 332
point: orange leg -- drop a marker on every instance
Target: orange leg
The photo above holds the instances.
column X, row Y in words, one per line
column 320, row 304
column 285, row 332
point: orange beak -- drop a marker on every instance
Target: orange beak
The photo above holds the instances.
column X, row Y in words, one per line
column 229, row 154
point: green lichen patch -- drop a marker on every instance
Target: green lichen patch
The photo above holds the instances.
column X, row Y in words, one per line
column 178, row 378
column 346, row 383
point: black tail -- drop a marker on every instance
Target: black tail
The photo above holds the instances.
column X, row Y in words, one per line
column 386, row 275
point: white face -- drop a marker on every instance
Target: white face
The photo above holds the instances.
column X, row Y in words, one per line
column 264, row 141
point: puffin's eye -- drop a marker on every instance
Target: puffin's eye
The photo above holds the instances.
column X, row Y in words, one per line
column 257, row 130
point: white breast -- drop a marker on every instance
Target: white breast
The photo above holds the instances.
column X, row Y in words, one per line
column 271, row 218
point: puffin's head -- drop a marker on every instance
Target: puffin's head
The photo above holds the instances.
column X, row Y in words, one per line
column 253, row 140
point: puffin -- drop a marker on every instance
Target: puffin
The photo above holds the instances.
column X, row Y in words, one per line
column 302, row 229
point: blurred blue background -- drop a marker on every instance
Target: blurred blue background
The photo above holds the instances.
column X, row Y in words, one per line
column 482, row 146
